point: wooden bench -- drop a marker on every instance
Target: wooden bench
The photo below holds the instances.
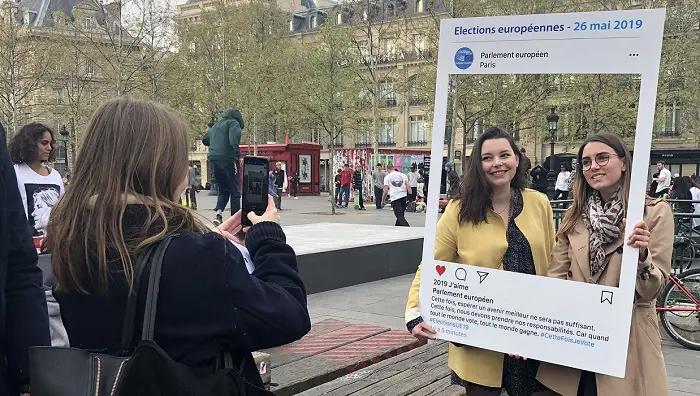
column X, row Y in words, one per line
column 420, row 372
column 331, row 350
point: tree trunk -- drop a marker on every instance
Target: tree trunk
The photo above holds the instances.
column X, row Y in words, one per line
column 331, row 179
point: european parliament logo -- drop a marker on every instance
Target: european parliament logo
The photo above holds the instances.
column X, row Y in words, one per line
column 464, row 58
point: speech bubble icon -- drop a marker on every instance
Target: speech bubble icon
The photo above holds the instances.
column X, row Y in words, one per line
column 461, row 274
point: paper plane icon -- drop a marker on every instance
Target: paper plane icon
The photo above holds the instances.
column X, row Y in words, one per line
column 482, row 276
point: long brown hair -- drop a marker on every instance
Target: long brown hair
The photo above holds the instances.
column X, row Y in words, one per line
column 582, row 190
column 475, row 191
column 134, row 151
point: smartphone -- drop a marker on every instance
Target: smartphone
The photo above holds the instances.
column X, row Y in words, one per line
column 255, row 187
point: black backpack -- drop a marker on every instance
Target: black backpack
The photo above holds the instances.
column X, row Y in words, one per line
column 149, row 371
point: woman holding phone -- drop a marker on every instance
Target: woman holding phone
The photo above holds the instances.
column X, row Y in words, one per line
column 127, row 180
column 495, row 223
column 588, row 249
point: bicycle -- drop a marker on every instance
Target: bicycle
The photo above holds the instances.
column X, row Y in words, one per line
column 681, row 300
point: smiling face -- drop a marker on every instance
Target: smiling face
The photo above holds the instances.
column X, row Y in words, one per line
column 499, row 162
column 44, row 146
column 602, row 167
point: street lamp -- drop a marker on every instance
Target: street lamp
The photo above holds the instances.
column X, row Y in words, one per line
column 552, row 120
column 64, row 139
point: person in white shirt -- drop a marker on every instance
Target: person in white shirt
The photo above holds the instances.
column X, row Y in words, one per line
column 413, row 177
column 396, row 186
column 40, row 186
column 663, row 182
column 695, row 192
column 561, row 188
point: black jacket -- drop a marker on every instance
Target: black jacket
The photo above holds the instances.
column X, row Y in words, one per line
column 24, row 319
column 357, row 180
column 207, row 300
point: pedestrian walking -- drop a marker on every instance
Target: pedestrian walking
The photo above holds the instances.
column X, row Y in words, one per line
column 345, row 182
column 192, row 184
column 357, row 181
column 224, row 139
column 396, row 188
column 294, row 181
column 378, row 180
column 280, row 184
column 413, row 177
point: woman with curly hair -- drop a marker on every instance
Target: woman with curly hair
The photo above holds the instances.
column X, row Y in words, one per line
column 30, row 149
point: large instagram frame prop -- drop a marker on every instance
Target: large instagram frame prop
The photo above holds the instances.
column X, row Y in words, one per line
column 574, row 324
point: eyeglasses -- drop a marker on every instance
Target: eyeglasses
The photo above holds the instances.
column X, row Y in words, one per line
column 601, row 159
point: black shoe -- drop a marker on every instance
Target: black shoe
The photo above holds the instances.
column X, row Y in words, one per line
column 218, row 220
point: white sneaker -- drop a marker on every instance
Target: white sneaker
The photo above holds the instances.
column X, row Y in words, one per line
column 296, row 197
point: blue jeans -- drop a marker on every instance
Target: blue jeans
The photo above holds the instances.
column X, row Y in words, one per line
column 226, row 176
column 344, row 190
column 378, row 195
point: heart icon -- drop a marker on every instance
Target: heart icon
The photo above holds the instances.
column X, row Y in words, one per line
column 440, row 269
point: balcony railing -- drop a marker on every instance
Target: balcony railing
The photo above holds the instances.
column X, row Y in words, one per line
column 387, row 144
column 418, row 101
column 389, row 102
column 397, row 56
column 667, row 134
column 417, row 143
column 363, row 144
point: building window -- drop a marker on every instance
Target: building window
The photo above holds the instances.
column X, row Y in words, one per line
column 89, row 67
column 291, row 25
column 88, row 22
column 390, row 10
column 389, row 47
column 387, row 93
column 417, row 130
column 387, row 132
column 419, row 6
column 312, row 22
column 671, row 121
column 58, row 96
column 363, row 137
column 419, row 43
column 339, row 19
column 337, row 138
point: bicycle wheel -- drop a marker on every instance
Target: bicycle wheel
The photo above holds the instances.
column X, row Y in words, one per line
column 682, row 326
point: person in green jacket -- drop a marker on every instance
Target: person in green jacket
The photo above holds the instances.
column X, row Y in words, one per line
column 223, row 139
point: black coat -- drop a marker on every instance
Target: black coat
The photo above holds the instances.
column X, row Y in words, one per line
column 207, row 301
column 24, row 318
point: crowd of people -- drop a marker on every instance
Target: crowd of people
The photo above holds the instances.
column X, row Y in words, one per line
column 124, row 198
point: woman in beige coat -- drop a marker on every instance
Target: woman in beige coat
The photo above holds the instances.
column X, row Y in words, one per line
column 588, row 250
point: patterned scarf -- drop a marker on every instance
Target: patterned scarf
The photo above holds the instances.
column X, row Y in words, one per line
column 603, row 223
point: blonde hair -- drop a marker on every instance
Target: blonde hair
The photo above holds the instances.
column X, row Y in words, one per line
column 582, row 190
column 134, row 152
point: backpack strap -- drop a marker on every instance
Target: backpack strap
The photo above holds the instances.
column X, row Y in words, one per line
column 156, row 266
column 132, row 302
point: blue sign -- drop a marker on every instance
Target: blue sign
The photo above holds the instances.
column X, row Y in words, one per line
column 464, row 58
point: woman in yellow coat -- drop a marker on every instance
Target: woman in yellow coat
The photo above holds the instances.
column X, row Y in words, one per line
column 496, row 223
column 587, row 250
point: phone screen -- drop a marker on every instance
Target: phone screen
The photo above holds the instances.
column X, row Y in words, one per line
column 255, row 185
column 256, row 176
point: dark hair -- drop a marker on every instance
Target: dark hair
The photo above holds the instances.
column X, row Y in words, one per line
column 522, row 150
column 662, row 162
column 681, row 188
column 23, row 144
column 378, row 164
column 475, row 192
column 690, row 181
column 346, row 165
column 566, row 165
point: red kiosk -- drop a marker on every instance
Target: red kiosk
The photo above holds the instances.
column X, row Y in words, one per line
column 304, row 157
